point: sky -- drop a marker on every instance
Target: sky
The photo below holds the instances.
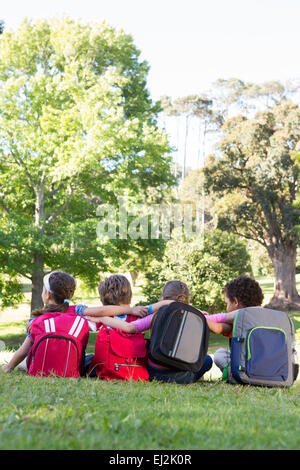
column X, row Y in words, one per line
column 191, row 43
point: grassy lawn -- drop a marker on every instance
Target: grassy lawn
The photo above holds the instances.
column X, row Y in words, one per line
column 57, row 413
column 54, row 413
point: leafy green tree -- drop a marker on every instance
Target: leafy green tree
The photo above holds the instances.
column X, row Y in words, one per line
column 10, row 290
column 77, row 129
column 204, row 265
column 260, row 260
column 256, row 178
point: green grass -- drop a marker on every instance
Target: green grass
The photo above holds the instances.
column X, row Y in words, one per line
column 54, row 413
column 13, row 334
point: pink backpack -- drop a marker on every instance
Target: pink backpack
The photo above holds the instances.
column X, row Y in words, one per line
column 58, row 344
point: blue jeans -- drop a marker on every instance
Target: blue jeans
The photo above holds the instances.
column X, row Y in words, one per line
column 87, row 361
column 179, row 376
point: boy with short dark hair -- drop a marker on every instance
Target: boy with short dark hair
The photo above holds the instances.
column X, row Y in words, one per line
column 242, row 292
column 239, row 293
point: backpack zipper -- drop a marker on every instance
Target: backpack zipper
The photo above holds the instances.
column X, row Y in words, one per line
column 56, row 336
column 261, row 327
column 234, row 323
column 127, row 365
column 183, row 320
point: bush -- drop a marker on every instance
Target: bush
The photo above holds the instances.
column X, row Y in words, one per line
column 205, row 266
column 10, row 292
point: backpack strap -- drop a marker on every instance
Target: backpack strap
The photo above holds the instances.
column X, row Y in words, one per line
column 71, row 310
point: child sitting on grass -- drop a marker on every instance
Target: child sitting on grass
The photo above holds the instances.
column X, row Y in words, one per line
column 239, row 293
column 173, row 291
column 58, row 290
column 116, row 290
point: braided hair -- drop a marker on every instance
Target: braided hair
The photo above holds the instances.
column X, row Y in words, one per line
column 176, row 290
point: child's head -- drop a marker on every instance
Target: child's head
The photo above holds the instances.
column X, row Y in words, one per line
column 58, row 288
column 176, row 290
column 115, row 290
column 242, row 292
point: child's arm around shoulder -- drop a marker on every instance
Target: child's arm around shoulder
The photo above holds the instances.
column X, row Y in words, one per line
column 113, row 310
column 231, row 316
column 161, row 303
column 221, row 317
column 218, row 328
column 137, row 326
column 115, row 323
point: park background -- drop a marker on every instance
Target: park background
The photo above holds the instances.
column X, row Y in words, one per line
column 186, row 104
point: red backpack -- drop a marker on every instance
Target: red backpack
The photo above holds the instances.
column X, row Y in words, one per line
column 120, row 356
column 58, row 344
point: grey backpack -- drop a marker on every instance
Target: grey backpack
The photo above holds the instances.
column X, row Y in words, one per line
column 179, row 337
column 262, row 348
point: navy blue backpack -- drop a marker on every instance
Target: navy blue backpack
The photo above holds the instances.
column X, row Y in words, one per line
column 262, row 348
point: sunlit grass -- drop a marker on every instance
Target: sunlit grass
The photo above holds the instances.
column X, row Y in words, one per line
column 55, row 413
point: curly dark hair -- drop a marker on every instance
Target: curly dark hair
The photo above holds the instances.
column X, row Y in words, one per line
column 247, row 291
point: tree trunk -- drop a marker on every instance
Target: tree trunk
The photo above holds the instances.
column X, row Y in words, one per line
column 185, row 146
column 37, row 283
column 38, row 259
column 134, row 275
column 285, row 296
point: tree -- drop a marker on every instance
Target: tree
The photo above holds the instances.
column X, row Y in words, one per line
column 204, row 265
column 171, row 110
column 189, row 106
column 256, row 178
column 77, row 129
column 251, row 97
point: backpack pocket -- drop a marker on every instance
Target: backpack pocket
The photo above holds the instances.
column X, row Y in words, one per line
column 183, row 339
column 55, row 355
column 120, row 356
column 236, row 345
column 267, row 354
